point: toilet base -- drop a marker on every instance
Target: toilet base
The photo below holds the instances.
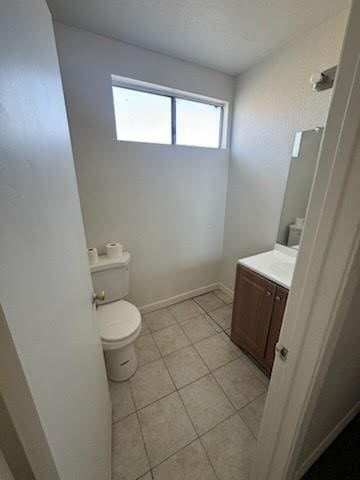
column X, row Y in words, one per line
column 121, row 363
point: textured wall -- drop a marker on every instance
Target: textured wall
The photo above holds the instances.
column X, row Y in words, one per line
column 164, row 203
column 273, row 100
column 52, row 372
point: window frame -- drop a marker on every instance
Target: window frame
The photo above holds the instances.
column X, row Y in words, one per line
column 173, row 95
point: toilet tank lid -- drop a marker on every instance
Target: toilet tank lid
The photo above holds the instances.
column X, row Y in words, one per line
column 106, row 263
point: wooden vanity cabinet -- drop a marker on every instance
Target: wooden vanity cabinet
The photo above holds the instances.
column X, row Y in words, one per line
column 259, row 306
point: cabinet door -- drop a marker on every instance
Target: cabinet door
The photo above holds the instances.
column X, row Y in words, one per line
column 253, row 303
column 281, row 295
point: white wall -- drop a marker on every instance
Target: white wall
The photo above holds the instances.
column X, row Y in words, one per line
column 52, row 372
column 340, row 392
column 164, row 203
column 273, row 100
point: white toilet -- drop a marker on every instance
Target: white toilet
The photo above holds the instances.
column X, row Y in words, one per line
column 119, row 321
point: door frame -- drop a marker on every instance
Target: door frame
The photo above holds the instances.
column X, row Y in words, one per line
column 326, row 273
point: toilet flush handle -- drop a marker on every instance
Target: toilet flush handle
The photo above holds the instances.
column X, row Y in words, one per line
column 98, row 296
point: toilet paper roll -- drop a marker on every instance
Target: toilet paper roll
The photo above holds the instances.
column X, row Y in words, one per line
column 93, row 256
column 114, row 250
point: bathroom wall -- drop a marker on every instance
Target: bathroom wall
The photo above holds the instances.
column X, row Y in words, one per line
column 11, row 446
column 342, row 376
column 164, row 203
column 52, row 371
column 273, row 100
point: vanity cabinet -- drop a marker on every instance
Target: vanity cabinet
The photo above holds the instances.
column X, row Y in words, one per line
column 259, row 306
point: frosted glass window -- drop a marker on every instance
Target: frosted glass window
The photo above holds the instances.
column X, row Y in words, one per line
column 198, row 124
column 142, row 116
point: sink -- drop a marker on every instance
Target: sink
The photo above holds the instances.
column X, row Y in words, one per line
column 277, row 265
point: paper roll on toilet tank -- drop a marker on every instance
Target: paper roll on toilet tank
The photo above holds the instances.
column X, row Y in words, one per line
column 93, row 256
column 114, row 250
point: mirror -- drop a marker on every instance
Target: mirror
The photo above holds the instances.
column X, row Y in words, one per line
column 301, row 172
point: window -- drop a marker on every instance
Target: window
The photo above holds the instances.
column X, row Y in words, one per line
column 161, row 117
column 198, row 124
column 141, row 116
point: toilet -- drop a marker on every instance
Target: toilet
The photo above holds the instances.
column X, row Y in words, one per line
column 119, row 320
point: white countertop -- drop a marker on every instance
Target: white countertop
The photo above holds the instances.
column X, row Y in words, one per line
column 277, row 265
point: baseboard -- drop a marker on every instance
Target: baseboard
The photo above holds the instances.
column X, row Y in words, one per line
column 226, row 290
column 178, row 298
column 327, row 441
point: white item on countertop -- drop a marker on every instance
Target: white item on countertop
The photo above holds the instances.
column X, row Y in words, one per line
column 276, row 265
column 294, row 236
column 93, row 256
column 299, row 222
column 114, row 250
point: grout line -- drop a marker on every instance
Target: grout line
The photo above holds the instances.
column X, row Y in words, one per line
column 209, row 459
column 197, row 439
column 141, row 430
column 175, row 453
column 198, row 436
column 221, row 388
column 214, row 309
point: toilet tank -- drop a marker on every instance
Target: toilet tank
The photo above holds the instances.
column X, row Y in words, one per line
column 111, row 276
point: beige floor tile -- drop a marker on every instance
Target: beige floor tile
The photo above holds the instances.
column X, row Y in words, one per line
column 216, row 352
column 159, row 319
column 121, row 399
column 223, row 296
column 226, row 337
column 252, row 414
column 262, row 377
column 144, row 328
column 206, row 403
column 146, row 349
column 185, row 366
column 185, row 310
column 147, row 476
column 171, row 339
column 214, row 324
column 222, row 316
column 209, row 302
column 191, row 463
column 230, row 447
column 166, row 427
column 198, row 328
column 240, row 382
column 129, row 459
column 151, row 382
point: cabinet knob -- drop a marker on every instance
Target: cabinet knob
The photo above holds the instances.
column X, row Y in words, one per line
column 277, row 298
column 268, row 293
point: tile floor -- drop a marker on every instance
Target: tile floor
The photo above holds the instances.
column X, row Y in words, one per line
column 193, row 408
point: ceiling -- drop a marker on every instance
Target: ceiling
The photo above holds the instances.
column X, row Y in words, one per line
column 227, row 35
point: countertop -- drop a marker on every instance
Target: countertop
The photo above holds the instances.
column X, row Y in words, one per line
column 277, row 265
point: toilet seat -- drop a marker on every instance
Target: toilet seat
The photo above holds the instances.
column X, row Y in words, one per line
column 119, row 323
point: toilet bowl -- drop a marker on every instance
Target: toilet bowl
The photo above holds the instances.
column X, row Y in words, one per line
column 119, row 321
column 119, row 325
